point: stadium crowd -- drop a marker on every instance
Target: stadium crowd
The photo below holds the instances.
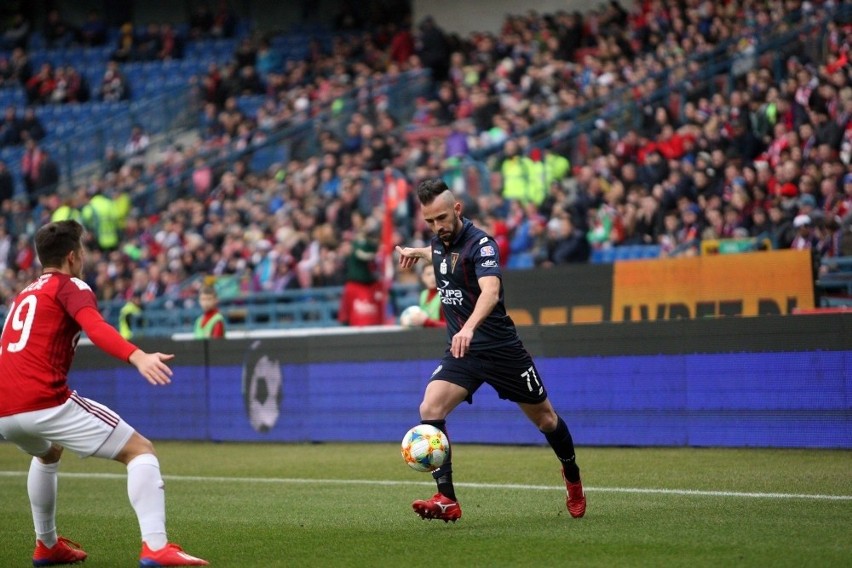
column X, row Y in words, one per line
column 766, row 156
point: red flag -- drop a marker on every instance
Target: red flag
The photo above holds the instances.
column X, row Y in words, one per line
column 395, row 191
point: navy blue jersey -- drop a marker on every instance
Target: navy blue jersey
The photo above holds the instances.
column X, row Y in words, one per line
column 472, row 255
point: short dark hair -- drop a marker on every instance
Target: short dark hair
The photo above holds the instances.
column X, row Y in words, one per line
column 55, row 240
column 429, row 189
column 209, row 290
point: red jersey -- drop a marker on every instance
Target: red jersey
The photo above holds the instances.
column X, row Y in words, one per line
column 38, row 343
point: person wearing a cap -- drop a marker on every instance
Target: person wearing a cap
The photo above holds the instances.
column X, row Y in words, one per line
column 807, row 203
column 805, row 238
column 788, row 190
column 566, row 243
column 690, row 230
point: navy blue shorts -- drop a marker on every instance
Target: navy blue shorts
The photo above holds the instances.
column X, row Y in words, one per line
column 509, row 370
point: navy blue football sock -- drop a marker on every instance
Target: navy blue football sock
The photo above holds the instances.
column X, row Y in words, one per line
column 444, row 474
column 563, row 446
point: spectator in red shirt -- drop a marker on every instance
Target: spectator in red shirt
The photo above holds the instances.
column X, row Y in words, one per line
column 402, row 45
column 41, row 85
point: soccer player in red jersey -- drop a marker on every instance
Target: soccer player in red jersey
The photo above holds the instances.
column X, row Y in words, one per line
column 42, row 416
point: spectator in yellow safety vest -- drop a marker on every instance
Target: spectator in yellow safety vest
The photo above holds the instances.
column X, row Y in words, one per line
column 547, row 167
column 517, row 172
column 99, row 216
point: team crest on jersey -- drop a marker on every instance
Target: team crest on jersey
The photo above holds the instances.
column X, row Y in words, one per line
column 487, row 251
column 454, row 258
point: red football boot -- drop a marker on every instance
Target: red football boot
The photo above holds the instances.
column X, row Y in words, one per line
column 438, row 507
column 170, row 555
column 63, row 552
column 575, row 498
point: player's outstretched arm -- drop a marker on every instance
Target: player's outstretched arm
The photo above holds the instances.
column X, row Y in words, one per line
column 152, row 366
column 409, row 256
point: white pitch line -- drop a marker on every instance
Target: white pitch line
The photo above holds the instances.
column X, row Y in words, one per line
column 510, row 486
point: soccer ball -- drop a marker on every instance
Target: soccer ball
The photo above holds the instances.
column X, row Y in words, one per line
column 412, row 316
column 425, row 448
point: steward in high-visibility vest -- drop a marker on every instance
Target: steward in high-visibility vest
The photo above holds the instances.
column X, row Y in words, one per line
column 547, row 167
column 517, row 173
column 121, row 205
column 210, row 324
column 99, row 217
column 66, row 212
column 128, row 316
column 431, row 304
column 430, row 298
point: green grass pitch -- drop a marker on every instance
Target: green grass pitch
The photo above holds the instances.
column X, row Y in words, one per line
column 269, row 505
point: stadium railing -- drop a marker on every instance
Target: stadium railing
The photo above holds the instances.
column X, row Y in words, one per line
column 289, row 309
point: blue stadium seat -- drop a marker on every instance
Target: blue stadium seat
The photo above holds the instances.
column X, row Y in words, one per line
column 602, row 256
column 652, row 251
column 10, row 154
column 94, row 77
column 36, row 41
column 37, row 57
column 250, row 104
column 135, row 74
column 635, row 252
column 629, row 252
column 263, row 158
column 169, row 66
column 98, row 54
column 12, row 96
column 520, row 261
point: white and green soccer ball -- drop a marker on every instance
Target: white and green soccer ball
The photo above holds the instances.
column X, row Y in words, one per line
column 425, row 448
column 413, row 316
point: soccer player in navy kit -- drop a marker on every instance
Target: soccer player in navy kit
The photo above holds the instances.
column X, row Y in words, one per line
column 484, row 344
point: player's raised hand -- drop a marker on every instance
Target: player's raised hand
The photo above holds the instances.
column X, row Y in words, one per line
column 152, row 366
column 409, row 256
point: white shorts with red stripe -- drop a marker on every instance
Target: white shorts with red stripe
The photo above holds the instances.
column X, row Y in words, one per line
column 81, row 425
